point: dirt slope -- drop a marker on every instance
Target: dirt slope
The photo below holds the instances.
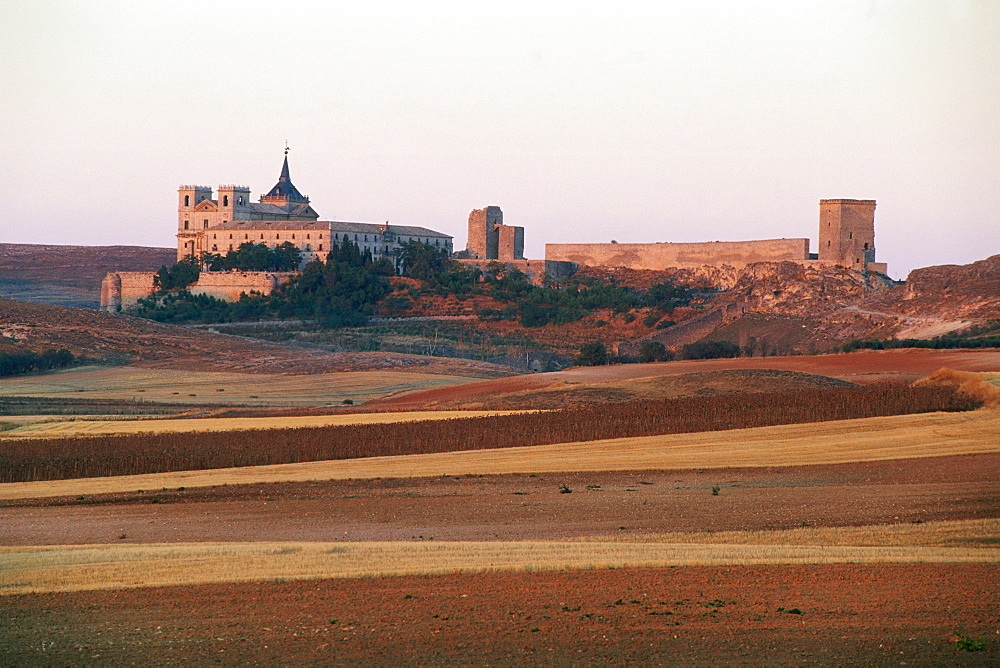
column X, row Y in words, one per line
column 121, row 339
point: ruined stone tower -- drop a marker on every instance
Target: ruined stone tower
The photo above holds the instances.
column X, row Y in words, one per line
column 490, row 239
column 847, row 233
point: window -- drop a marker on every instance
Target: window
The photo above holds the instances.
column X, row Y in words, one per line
column 277, row 236
column 187, row 200
column 850, row 235
column 307, row 236
column 230, row 236
column 239, row 200
column 230, row 247
column 185, row 224
column 206, row 223
column 225, row 200
column 214, row 247
column 321, row 247
column 309, row 248
column 214, row 237
column 246, row 236
column 262, row 236
column 293, row 237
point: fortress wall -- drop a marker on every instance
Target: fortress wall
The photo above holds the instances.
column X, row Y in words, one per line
column 656, row 256
column 535, row 270
column 229, row 285
column 125, row 288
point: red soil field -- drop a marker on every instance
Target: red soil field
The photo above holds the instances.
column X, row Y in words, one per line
column 888, row 614
column 866, row 366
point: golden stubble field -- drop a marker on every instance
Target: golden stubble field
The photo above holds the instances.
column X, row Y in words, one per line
column 220, row 388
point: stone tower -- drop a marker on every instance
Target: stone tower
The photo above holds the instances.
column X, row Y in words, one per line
column 847, row 233
column 490, row 239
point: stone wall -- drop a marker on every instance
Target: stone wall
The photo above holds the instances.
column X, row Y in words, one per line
column 658, row 256
column 123, row 289
column 229, row 285
column 535, row 270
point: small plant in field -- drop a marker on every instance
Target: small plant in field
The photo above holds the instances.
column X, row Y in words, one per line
column 967, row 644
column 715, row 490
column 565, row 489
column 348, row 402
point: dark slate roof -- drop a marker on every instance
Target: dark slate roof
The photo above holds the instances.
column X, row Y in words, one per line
column 340, row 227
column 284, row 187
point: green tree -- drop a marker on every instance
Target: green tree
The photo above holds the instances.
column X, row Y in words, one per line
column 654, row 351
column 592, row 353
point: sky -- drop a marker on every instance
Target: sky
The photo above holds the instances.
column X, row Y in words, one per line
column 584, row 121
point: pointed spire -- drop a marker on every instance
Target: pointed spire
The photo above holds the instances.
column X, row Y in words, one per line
column 284, row 170
column 284, row 189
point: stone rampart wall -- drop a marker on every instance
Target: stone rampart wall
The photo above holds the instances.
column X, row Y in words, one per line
column 535, row 270
column 229, row 285
column 657, row 256
column 123, row 289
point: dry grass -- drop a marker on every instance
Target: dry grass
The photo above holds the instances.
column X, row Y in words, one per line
column 984, row 387
column 116, row 427
column 83, row 567
column 171, row 386
column 868, row 439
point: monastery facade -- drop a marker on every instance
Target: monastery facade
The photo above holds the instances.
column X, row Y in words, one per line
column 207, row 225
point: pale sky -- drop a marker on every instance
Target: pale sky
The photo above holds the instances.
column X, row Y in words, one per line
column 583, row 121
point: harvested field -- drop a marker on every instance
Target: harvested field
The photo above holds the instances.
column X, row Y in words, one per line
column 134, row 384
column 869, row 439
column 35, row 569
column 866, row 366
column 181, row 425
column 842, row 614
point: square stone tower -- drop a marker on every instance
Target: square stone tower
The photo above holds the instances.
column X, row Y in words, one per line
column 847, row 233
column 490, row 239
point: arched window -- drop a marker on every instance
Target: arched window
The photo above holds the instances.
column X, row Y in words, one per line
column 206, row 223
column 187, row 200
column 186, row 225
column 321, row 247
column 225, row 200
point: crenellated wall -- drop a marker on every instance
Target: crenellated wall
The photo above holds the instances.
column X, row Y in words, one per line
column 657, row 256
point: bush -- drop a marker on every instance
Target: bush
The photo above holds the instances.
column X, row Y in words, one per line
column 654, row 351
column 592, row 354
column 704, row 350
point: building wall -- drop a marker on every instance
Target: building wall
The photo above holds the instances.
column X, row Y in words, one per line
column 847, row 233
column 656, row 256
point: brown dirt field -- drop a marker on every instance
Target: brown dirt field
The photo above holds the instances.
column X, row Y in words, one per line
column 523, row 506
column 832, row 614
column 866, row 366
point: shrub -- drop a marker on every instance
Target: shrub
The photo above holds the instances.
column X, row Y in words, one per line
column 654, row 351
column 703, row 350
column 592, row 354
